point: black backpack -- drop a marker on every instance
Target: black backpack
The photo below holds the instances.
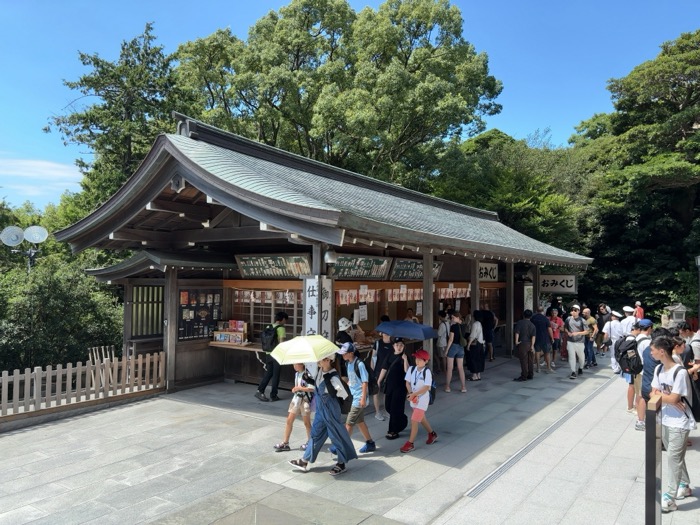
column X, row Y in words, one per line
column 345, row 404
column 627, row 355
column 433, row 386
column 694, row 394
column 268, row 338
column 372, row 387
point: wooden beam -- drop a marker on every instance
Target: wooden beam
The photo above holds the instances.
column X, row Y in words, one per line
column 200, row 213
column 244, row 233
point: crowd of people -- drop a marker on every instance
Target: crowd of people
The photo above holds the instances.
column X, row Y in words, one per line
column 651, row 361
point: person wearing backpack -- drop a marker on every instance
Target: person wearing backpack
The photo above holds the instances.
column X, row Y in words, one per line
column 455, row 352
column 671, row 382
column 329, row 394
column 419, row 380
column 643, row 342
column 271, row 336
column 358, row 380
column 625, row 350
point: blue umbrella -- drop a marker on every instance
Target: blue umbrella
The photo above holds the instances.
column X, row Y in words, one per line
column 407, row 330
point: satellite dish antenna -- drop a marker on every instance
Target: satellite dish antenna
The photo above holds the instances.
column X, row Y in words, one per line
column 36, row 234
column 12, row 236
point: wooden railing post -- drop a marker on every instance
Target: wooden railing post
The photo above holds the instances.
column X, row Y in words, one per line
column 5, row 386
column 652, row 466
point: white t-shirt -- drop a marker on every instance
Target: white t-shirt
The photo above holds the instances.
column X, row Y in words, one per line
column 613, row 329
column 418, row 380
column 671, row 416
column 627, row 323
column 477, row 333
column 443, row 333
column 643, row 341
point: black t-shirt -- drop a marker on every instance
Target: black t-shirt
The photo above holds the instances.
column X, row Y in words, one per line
column 342, row 337
column 455, row 329
column 383, row 350
column 526, row 330
column 488, row 320
column 395, row 373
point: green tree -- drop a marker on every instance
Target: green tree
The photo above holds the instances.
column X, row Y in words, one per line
column 133, row 100
column 53, row 315
column 643, row 163
column 376, row 92
column 493, row 171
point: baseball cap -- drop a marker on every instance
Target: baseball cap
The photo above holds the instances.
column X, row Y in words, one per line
column 346, row 349
column 575, row 307
column 645, row 323
column 398, row 340
column 421, row 354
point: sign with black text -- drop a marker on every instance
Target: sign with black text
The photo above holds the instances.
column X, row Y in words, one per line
column 565, row 284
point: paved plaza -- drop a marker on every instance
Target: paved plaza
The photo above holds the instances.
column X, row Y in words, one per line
column 551, row 450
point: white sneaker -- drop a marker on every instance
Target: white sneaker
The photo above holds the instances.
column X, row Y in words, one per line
column 386, row 414
column 380, row 416
column 684, row 491
column 667, row 503
column 553, row 365
column 631, row 410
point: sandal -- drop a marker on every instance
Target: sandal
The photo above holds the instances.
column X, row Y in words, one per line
column 282, row 447
column 392, row 435
column 337, row 469
column 464, row 391
column 448, row 390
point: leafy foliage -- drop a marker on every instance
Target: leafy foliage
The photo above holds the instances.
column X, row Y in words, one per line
column 53, row 315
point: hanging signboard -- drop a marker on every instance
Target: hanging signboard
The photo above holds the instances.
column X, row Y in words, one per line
column 281, row 266
column 363, row 267
column 488, row 272
column 318, row 292
column 565, row 284
column 412, row 270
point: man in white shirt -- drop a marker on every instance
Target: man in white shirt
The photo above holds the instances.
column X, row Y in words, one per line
column 612, row 331
column 628, row 321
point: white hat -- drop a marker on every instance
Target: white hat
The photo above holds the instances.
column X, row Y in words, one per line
column 617, row 314
column 637, row 303
column 628, row 309
column 346, row 348
column 344, row 323
column 575, row 307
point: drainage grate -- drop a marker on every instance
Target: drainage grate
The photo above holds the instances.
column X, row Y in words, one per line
column 520, row 454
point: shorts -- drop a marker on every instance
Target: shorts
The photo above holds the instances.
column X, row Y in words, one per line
column 646, row 396
column 635, row 380
column 302, row 406
column 488, row 336
column 441, row 351
column 545, row 348
column 455, row 351
column 556, row 344
column 418, row 415
column 355, row 416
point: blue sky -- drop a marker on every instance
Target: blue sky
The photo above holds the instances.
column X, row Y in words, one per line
column 553, row 57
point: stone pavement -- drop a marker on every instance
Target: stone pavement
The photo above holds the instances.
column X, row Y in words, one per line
column 550, row 450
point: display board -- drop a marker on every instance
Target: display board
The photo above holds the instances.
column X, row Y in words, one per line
column 199, row 311
column 279, row 266
column 361, row 267
column 412, row 270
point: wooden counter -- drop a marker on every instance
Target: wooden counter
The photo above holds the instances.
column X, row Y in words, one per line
column 241, row 364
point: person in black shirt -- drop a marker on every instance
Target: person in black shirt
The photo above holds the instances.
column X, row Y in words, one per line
column 525, row 333
column 393, row 374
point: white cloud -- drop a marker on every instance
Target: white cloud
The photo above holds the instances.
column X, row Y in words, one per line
column 37, row 181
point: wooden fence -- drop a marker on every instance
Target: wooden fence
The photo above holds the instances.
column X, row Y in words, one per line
column 38, row 391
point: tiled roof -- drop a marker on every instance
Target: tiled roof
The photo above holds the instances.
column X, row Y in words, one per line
column 368, row 207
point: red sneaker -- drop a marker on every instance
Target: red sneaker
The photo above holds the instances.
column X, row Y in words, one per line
column 407, row 447
column 432, row 438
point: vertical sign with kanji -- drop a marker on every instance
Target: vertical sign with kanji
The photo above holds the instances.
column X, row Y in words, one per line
column 327, row 307
column 312, row 305
column 318, row 306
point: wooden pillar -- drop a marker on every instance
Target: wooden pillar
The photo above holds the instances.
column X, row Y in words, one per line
column 128, row 309
column 474, row 282
column 510, row 306
column 428, row 299
column 535, row 287
column 171, row 299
